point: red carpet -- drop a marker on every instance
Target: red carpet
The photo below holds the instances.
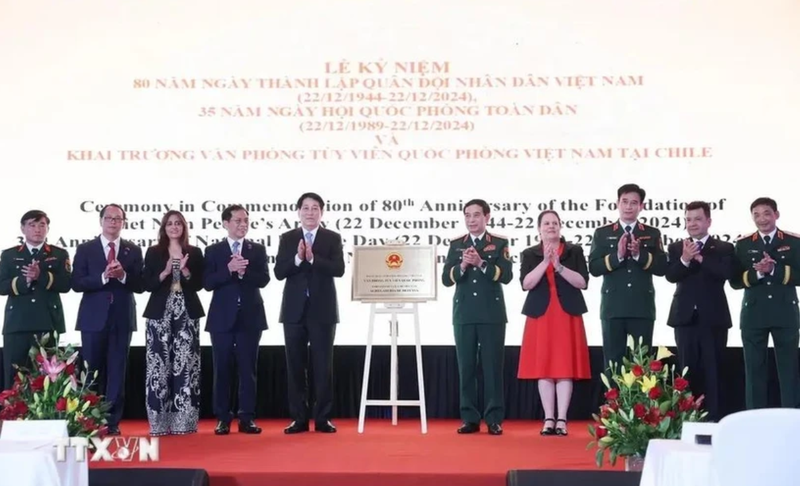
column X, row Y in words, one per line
column 384, row 455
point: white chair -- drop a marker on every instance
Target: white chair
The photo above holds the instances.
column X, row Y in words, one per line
column 758, row 447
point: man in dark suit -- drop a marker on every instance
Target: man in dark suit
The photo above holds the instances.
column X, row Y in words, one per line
column 309, row 258
column 478, row 264
column 236, row 271
column 768, row 270
column 108, row 271
column 627, row 254
column 701, row 265
column 32, row 275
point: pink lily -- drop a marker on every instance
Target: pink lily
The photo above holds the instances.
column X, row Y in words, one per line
column 53, row 368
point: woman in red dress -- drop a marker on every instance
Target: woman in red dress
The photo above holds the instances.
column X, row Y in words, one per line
column 554, row 349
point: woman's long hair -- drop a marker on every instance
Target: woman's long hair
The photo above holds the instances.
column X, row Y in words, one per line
column 163, row 239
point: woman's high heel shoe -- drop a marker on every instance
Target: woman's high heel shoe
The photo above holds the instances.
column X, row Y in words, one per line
column 548, row 430
column 559, row 431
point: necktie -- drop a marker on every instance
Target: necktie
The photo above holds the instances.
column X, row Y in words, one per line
column 34, row 251
column 112, row 255
column 699, row 245
column 766, row 240
column 310, row 239
column 235, row 247
column 477, row 242
column 628, row 250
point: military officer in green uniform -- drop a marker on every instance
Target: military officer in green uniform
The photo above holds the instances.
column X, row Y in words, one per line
column 478, row 264
column 32, row 275
column 769, row 271
column 627, row 254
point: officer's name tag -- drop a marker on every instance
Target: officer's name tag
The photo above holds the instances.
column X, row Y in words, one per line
column 785, row 248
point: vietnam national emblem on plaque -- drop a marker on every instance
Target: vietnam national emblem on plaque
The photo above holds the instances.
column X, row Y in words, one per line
column 394, row 260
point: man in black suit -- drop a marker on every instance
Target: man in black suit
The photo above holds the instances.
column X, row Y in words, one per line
column 236, row 271
column 309, row 258
column 701, row 265
column 108, row 271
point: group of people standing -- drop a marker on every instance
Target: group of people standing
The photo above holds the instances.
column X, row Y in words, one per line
column 109, row 270
column 627, row 255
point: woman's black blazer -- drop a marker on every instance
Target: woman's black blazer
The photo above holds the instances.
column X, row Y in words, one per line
column 154, row 262
column 538, row 298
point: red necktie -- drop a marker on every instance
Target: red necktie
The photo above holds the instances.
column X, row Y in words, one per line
column 112, row 255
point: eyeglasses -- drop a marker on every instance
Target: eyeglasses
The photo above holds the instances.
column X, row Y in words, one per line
column 113, row 220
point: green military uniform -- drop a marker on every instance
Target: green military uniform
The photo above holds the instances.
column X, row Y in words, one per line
column 769, row 307
column 35, row 309
column 627, row 305
column 479, row 318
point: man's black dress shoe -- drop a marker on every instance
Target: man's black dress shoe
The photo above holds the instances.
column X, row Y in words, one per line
column 469, row 428
column 495, row 429
column 296, row 428
column 249, row 427
column 113, row 430
column 326, row 427
column 223, row 428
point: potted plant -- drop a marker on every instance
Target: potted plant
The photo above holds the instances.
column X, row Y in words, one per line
column 645, row 399
column 54, row 388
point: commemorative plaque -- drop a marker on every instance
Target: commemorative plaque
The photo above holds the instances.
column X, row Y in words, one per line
column 394, row 273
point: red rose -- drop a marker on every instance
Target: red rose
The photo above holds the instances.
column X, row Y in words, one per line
column 637, row 371
column 70, row 369
column 612, row 394
column 605, row 412
column 614, row 406
column 600, row 432
column 686, row 404
column 681, row 384
column 656, row 366
column 39, row 358
column 653, row 416
column 61, row 404
column 639, row 410
column 655, row 392
column 20, row 408
column 37, row 384
column 670, row 414
column 92, row 399
column 5, row 395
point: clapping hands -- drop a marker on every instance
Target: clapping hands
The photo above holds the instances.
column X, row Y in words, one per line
column 691, row 251
column 766, row 265
column 470, row 257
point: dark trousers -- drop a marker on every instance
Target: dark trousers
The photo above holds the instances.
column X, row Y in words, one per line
column 16, row 347
column 300, row 338
column 700, row 348
column 239, row 348
column 106, row 352
column 615, row 337
column 754, row 343
column 487, row 342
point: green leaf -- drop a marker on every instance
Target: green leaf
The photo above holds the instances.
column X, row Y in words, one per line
column 598, row 457
column 664, row 425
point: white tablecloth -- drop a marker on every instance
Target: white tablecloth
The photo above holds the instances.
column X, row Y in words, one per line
column 676, row 463
column 33, row 463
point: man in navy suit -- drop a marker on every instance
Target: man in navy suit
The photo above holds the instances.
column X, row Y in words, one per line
column 236, row 271
column 701, row 265
column 309, row 258
column 108, row 271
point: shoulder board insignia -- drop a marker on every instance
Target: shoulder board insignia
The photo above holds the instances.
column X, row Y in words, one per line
column 641, row 227
column 21, row 247
column 47, row 248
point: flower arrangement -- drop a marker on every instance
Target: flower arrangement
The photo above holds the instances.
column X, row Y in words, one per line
column 55, row 389
column 648, row 401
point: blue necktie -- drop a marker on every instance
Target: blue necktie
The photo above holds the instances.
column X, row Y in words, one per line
column 309, row 243
column 235, row 247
